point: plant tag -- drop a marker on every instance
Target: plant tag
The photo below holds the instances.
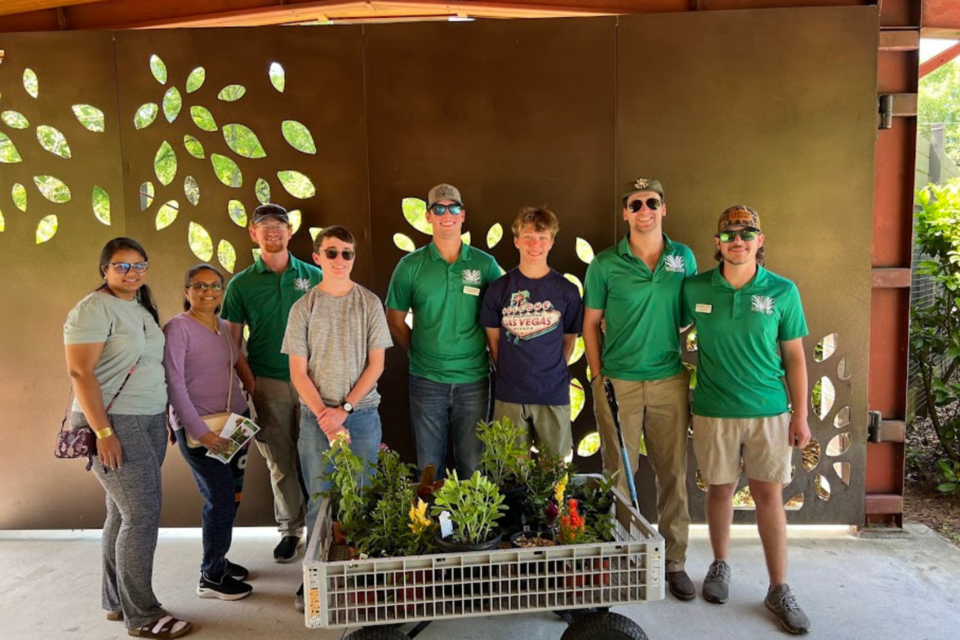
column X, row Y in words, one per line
column 446, row 525
column 473, row 291
column 704, row 308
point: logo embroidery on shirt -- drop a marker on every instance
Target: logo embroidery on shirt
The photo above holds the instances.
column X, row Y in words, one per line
column 674, row 263
column 524, row 320
column 302, row 284
column 763, row 304
column 471, row 276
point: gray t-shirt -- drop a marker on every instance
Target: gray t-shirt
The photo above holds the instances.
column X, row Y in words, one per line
column 119, row 325
column 335, row 334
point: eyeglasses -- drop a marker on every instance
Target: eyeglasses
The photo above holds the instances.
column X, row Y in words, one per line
column 204, row 287
column 270, row 228
column 442, row 209
column 746, row 235
column 124, row 267
column 652, row 203
column 333, row 253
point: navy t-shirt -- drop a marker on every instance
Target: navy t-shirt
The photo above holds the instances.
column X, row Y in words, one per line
column 533, row 316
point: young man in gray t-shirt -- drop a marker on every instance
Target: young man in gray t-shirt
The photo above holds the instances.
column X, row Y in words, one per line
column 336, row 338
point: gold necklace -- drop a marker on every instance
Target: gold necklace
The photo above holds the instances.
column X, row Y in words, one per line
column 215, row 328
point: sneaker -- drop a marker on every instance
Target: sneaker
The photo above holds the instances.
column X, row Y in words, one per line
column 782, row 602
column 716, row 586
column 298, row 600
column 226, row 589
column 236, row 572
column 680, row 585
column 286, row 551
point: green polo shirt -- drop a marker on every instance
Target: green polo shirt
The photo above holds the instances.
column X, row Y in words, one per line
column 448, row 345
column 642, row 309
column 739, row 369
column 261, row 299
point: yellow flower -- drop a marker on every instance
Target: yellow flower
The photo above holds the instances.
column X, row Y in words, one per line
column 418, row 517
column 561, row 488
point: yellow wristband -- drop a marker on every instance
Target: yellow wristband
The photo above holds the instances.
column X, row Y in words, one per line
column 104, row 433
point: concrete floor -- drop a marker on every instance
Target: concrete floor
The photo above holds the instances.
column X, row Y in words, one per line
column 852, row 588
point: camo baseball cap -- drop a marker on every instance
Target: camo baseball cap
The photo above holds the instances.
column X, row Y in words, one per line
column 739, row 216
column 443, row 192
column 642, row 184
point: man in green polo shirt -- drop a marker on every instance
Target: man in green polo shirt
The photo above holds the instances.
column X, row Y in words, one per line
column 260, row 297
column 750, row 329
column 635, row 287
column 443, row 285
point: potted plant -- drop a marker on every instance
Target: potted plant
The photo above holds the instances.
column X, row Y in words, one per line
column 473, row 506
column 542, row 476
column 505, row 461
column 345, row 493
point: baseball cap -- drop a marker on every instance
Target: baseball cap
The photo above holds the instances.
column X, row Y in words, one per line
column 642, row 184
column 740, row 215
column 443, row 192
column 270, row 210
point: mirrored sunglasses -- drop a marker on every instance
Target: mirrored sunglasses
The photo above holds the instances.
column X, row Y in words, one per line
column 746, row 235
column 442, row 209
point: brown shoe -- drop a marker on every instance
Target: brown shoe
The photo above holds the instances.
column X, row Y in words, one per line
column 680, row 585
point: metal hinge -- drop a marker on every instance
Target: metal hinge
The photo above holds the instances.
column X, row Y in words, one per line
column 880, row 430
column 890, row 105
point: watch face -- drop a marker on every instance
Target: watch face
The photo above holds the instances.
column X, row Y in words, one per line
column 348, row 407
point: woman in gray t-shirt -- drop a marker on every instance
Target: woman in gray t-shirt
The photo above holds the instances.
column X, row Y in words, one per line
column 114, row 350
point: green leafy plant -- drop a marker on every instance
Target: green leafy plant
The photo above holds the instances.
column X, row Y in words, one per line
column 505, row 452
column 595, row 498
column 345, row 492
column 474, row 506
column 542, row 475
column 949, row 473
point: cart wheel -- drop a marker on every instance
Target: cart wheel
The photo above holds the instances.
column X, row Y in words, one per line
column 377, row 633
column 604, row 626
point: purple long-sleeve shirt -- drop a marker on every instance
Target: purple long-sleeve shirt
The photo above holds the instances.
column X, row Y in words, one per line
column 196, row 361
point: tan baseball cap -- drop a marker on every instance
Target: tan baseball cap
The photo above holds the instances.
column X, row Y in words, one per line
column 443, row 192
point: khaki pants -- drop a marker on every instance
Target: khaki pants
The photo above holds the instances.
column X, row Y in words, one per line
column 660, row 410
column 550, row 423
column 278, row 414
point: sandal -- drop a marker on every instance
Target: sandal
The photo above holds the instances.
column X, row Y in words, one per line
column 114, row 616
column 162, row 629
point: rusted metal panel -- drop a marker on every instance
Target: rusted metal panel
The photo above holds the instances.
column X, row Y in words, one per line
column 899, row 40
column 884, row 504
column 890, row 278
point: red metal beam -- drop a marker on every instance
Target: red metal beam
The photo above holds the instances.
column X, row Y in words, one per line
column 939, row 60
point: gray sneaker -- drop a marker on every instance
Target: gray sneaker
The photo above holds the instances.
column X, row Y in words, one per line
column 782, row 602
column 716, row 586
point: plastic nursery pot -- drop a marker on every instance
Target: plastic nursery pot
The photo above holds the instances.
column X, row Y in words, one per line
column 452, row 547
column 528, row 539
column 515, row 499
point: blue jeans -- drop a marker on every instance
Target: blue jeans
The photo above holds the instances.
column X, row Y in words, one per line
column 364, row 427
column 439, row 411
column 221, row 486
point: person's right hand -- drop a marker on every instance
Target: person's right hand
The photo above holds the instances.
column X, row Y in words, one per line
column 110, row 452
column 213, row 442
column 331, row 427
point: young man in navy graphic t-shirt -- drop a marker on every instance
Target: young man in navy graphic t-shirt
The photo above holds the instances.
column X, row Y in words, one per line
column 532, row 316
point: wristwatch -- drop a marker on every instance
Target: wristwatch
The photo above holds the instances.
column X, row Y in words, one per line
column 346, row 406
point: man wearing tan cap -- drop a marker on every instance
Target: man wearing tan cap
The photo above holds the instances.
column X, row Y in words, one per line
column 635, row 286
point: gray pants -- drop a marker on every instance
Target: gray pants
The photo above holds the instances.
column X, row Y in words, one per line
column 133, row 518
column 278, row 414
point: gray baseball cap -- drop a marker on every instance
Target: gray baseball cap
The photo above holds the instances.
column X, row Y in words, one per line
column 443, row 192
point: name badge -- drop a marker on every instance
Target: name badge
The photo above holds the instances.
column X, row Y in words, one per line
column 704, row 308
column 473, row 291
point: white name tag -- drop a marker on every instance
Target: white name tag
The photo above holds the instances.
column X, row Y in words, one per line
column 446, row 526
column 704, row 308
column 473, row 291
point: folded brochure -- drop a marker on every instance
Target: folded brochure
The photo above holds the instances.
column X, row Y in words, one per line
column 238, row 432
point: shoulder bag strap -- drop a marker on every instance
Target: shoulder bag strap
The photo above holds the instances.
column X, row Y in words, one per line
column 129, row 373
column 230, row 362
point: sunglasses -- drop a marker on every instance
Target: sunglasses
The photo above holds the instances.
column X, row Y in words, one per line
column 204, row 287
column 746, row 235
column 124, row 267
column 442, row 209
column 333, row 253
column 652, row 203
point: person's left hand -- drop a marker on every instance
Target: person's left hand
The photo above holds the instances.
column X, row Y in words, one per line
column 331, row 421
column 799, row 434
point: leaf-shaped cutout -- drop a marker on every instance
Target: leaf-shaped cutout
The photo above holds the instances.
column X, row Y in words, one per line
column 577, row 399
column 227, row 170
column 256, row 255
column 584, row 251
column 193, row 147
column 838, row 445
column 32, row 84
column 145, row 115
column 227, row 255
column 825, row 348
column 743, row 499
column 842, row 418
column 494, row 235
column 14, row 119
column 575, row 280
column 465, row 238
column 101, row 205
column 195, row 79
column 577, row 353
column 404, row 243
column 3, row 224
column 158, row 69
column 172, row 103
column 794, row 504
column 823, row 396
column 822, row 486
column 842, row 469
column 165, row 164
column 200, row 242
column 415, row 212
column 810, row 456
column 296, row 219
column 202, row 117
column 237, row 213
column 53, row 189
column 243, row 141
column 298, row 136
column 8, row 151
column 278, row 78
column 262, row 189
column 47, row 228
column 314, row 232
column 192, row 190
column 19, row 195
column 589, row 445
column 842, row 371
column 297, row 184
column 147, row 193
column 90, row 117
column 167, row 214
column 232, row 92
column 53, row 141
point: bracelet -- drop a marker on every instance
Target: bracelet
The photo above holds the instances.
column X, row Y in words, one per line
column 104, row 433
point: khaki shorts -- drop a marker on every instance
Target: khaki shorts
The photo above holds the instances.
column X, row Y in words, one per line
column 550, row 424
column 719, row 444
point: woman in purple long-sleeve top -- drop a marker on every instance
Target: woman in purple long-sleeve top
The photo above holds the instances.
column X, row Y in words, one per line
column 201, row 368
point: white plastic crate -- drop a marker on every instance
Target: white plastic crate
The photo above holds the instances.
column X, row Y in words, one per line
column 374, row 591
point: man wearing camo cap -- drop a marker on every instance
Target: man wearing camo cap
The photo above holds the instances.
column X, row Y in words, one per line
column 635, row 286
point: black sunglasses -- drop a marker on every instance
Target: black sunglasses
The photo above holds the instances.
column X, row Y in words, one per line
column 746, row 235
column 442, row 209
column 333, row 253
column 124, row 267
column 652, row 203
